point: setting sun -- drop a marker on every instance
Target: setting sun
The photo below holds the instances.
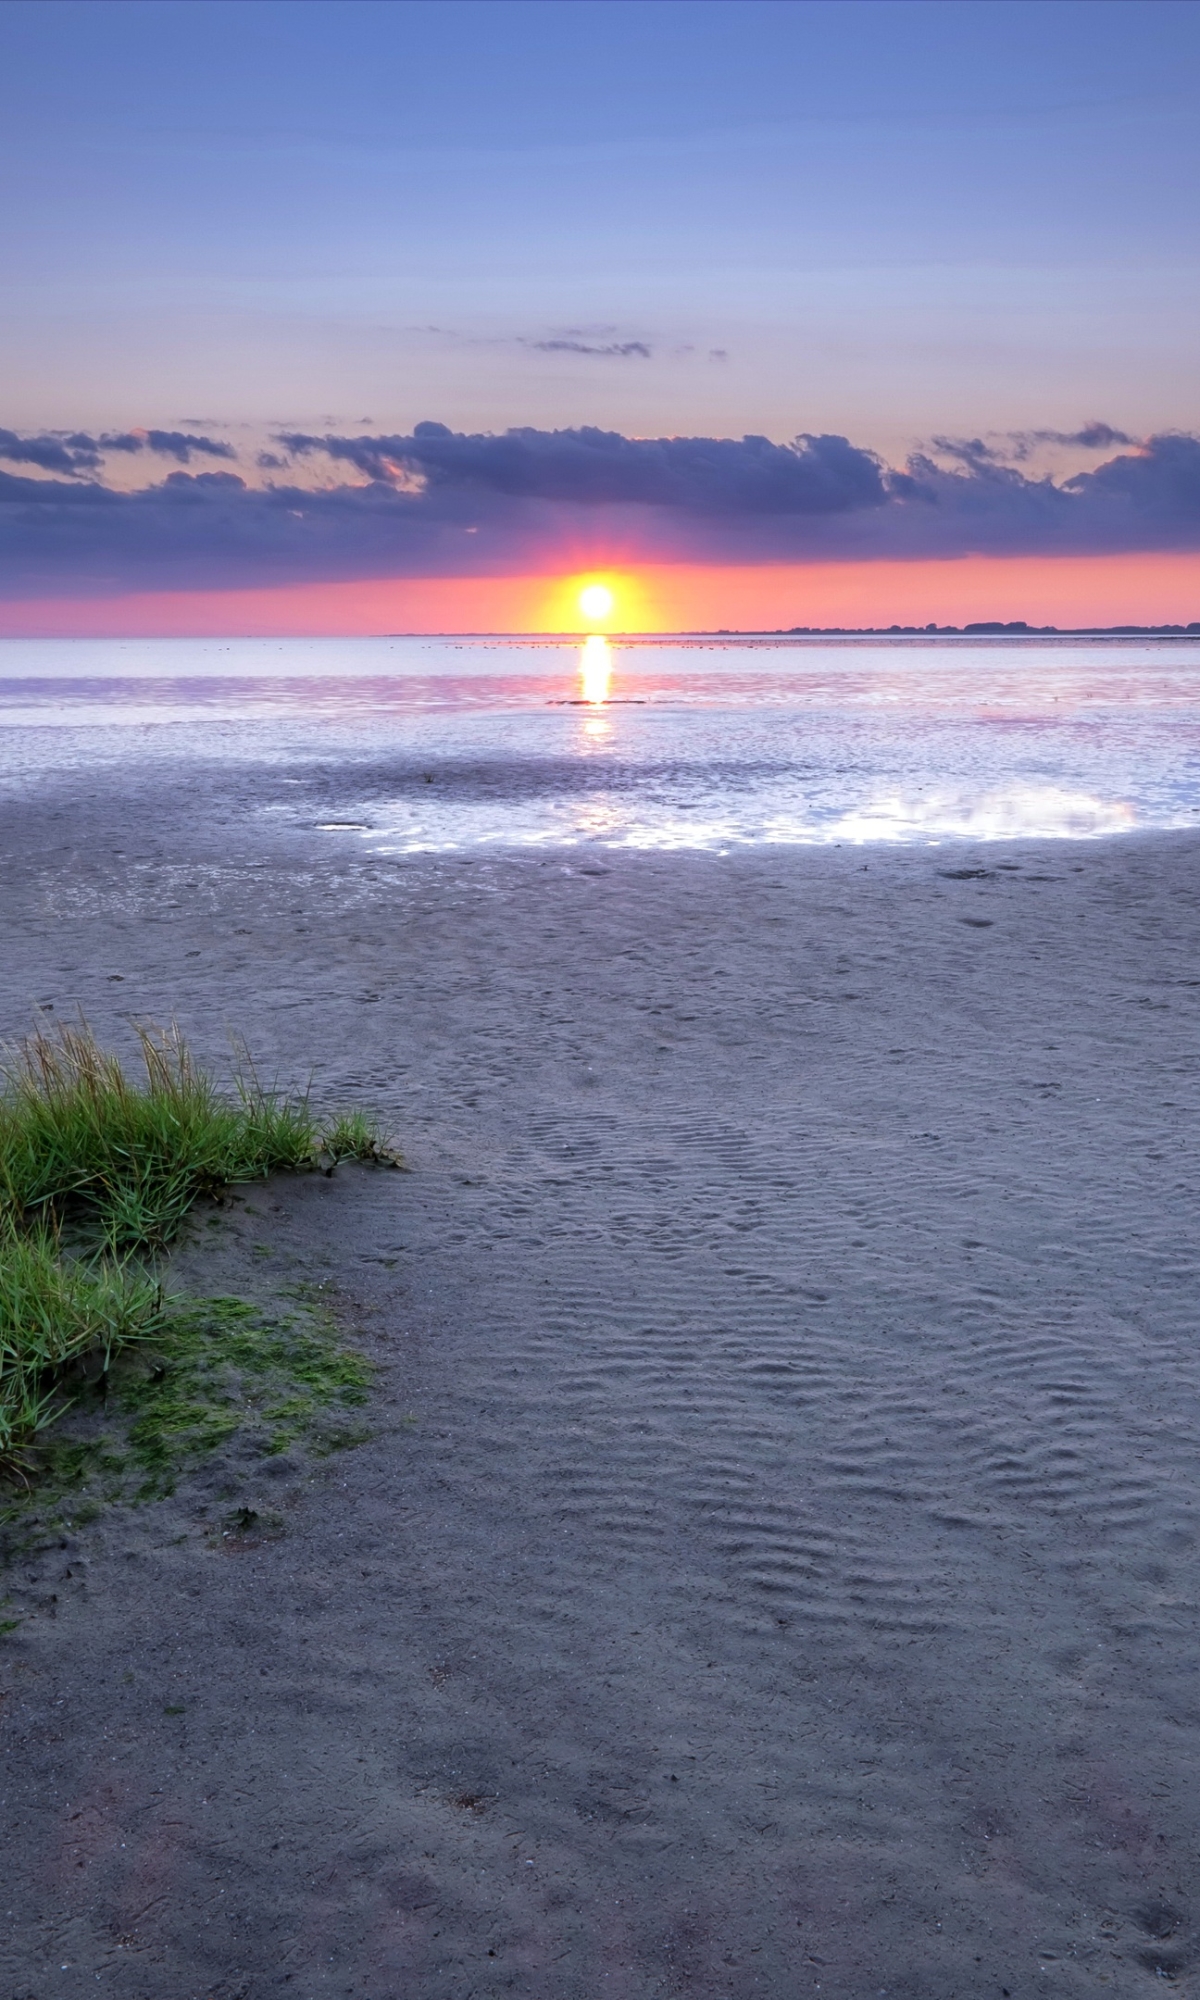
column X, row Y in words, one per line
column 596, row 601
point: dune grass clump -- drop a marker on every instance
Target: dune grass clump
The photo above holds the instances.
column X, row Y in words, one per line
column 127, row 1157
column 55, row 1313
column 98, row 1170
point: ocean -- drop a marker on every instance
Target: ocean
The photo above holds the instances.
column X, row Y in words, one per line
column 701, row 743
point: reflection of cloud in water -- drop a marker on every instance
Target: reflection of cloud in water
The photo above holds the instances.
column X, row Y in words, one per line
column 1018, row 811
column 1007, row 813
column 1023, row 811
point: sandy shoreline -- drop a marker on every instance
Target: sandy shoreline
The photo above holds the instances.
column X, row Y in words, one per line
column 775, row 1568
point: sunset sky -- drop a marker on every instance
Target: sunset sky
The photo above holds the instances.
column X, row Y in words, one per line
column 403, row 317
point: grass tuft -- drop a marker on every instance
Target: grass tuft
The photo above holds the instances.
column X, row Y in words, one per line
column 60, row 1317
column 355, row 1136
column 78, row 1137
column 98, row 1170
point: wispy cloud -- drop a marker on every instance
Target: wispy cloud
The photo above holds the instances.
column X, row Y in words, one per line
column 621, row 349
column 1092, row 437
column 79, row 454
column 183, row 445
column 605, row 343
column 1017, row 447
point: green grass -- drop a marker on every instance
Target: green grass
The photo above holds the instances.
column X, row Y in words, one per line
column 60, row 1317
column 129, row 1156
column 217, row 1370
column 98, row 1170
column 226, row 1368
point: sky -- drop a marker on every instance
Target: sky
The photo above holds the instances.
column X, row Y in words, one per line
column 392, row 316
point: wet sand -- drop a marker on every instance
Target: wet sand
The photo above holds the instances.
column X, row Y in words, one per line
column 774, row 1569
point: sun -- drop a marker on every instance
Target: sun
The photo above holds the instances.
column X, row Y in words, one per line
column 596, row 600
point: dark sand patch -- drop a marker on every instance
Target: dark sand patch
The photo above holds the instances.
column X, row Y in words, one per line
column 774, row 1568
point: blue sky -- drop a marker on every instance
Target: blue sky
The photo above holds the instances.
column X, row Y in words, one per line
column 885, row 220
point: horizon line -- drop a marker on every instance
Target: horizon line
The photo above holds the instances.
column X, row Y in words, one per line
column 975, row 629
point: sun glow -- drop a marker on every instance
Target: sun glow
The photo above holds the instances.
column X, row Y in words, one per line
column 596, row 601
column 595, row 668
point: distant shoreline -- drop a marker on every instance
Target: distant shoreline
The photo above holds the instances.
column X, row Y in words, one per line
column 995, row 628
column 982, row 629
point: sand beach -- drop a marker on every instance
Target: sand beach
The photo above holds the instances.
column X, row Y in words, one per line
column 773, row 1567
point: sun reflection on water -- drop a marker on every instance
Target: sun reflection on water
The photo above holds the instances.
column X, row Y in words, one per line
column 595, row 668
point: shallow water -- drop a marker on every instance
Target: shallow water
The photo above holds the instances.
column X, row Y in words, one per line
column 696, row 744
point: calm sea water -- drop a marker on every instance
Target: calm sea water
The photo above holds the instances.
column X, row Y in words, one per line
column 706, row 743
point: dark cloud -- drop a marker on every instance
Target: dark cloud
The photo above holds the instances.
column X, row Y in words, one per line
column 440, row 502
column 621, row 348
column 971, row 451
column 720, row 476
column 78, row 454
column 55, row 451
column 204, row 482
column 1145, row 499
column 1092, row 437
column 182, row 444
column 1014, row 447
column 1161, row 483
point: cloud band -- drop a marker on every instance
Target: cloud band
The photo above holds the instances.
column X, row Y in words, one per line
column 438, row 502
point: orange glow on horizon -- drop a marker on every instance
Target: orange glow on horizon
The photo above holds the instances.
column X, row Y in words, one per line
column 1045, row 590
